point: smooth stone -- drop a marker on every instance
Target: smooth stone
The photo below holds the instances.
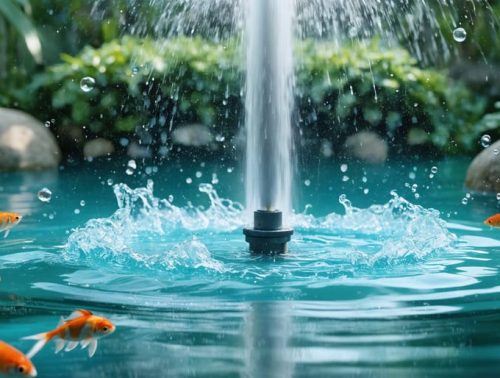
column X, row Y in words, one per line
column 367, row 146
column 483, row 174
column 194, row 135
column 25, row 143
column 97, row 148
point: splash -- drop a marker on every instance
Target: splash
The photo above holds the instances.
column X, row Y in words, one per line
column 393, row 233
column 149, row 234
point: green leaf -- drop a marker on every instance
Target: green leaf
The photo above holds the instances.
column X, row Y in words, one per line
column 24, row 26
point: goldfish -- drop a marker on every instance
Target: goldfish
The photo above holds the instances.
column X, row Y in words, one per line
column 81, row 327
column 493, row 221
column 7, row 221
column 14, row 362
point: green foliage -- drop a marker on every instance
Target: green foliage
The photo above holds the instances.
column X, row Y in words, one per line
column 12, row 12
column 366, row 86
column 156, row 85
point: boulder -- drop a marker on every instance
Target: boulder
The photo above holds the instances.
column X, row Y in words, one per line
column 98, row 147
column 194, row 135
column 483, row 174
column 367, row 146
column 25, row 143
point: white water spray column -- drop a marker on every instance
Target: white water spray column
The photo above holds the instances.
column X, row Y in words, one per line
column 268, row 105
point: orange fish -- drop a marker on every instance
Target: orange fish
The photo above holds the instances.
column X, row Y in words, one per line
column 7, row 221
column 13, row 362
column 493, row 221
column 82, row 327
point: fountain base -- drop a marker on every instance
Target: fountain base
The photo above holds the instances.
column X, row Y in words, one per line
column 268, row 234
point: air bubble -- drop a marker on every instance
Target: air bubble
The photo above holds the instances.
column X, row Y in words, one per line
column 459, row 34
column 82, row 203
column 498, row 196
column 434, row 169
column 189, row 180
column 464, row 201
column 47, row 124
column 485, row 140
column 198, row 174
column 87, row 84
column 45, row 195
column 109, row 182
column 414, row 188
column 343, row 168
column 76, row 211
column 307, row 182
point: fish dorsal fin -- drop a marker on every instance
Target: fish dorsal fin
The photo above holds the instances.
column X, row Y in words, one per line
column 61, row 322
column 78, row 313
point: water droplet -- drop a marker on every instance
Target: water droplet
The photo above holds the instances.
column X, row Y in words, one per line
column 87, row 84
column 215, row 180
column 110, row 182
column 198, row 174
column 434, row 169
column 135, row 70
column 131, row 167
column 189, row 180
column 343, row 168
column 45, row 195
column 485, row 140
column 307, row 182
column 459, row 34
column 76, row 211
column 82, row 203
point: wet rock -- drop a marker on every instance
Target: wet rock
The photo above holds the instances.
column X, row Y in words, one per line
column 25, row 143
column 483, row 174
column 367, row 146
column 194, row 135
column 137, row 151
column 97, row 148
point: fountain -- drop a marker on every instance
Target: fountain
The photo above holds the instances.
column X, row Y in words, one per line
column 268, row 124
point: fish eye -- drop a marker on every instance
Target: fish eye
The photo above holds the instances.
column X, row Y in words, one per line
column 17, row 217
column 105, row 329
column 20, row 369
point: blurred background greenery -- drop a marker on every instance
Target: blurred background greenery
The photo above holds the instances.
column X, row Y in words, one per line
column 143, row 82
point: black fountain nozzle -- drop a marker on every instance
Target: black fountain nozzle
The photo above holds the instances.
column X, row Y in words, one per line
column 268, row 234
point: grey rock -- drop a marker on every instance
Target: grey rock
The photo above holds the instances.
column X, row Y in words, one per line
column 98, row 147
column 367, row 146
column 25, row 143
column 194, row 135
column 483, row 174
column 137, row 151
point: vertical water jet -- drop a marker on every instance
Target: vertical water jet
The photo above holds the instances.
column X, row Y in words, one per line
column 268, row 104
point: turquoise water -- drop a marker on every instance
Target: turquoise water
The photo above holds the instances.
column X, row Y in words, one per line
column 376, row 282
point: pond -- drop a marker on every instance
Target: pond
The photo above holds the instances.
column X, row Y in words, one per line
column 376, row 283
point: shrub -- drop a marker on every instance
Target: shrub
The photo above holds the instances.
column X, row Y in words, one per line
column 151, row 87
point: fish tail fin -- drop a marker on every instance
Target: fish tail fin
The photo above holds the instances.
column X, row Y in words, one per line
column 42, row 340
column 6, row 233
